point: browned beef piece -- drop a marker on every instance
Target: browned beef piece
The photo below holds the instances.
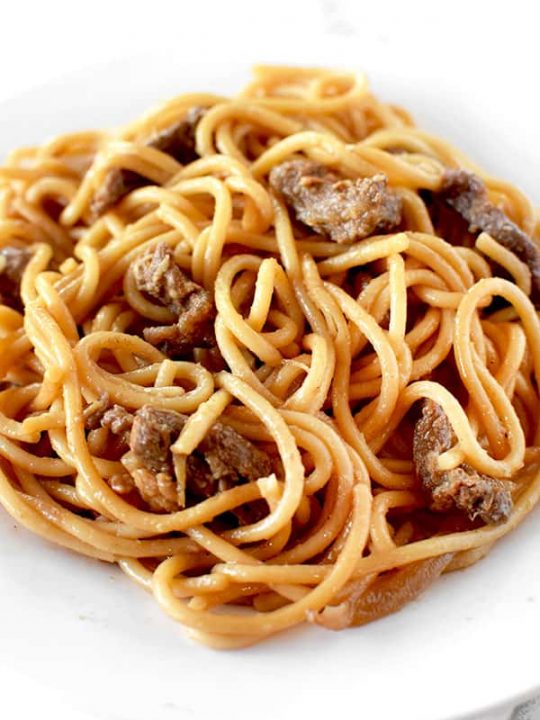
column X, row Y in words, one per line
column 194, row 328
column 230, row 456
column 150, row 461
column 101, row 414
column 13, row 263
column 152, row 434
column 118, row 420
column 223, row 458
column 467, row 194
column 346, row 210
column 115, row 185
column 178, row 140
column 463, row 487
column 158, row 489
column 199, row 478
column 157, row 274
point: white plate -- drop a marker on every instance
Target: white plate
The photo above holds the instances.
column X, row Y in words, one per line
column 76, row 633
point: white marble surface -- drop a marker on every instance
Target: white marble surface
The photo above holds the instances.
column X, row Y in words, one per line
column 406, row 47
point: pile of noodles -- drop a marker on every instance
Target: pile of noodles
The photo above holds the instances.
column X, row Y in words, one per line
column 319, row 373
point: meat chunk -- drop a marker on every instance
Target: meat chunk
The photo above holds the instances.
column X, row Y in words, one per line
column 152, row 434
column 115, row 185
column 230, row 456
column 346, row 210
column 157, row 274
column 467, row 195
column 177, row 140
column 150, row 462
column 194, row 328
column 223, row 458
column 463, row 487
column 101, row 414
column 13, row 261
column 118, row 420
column 158, row 489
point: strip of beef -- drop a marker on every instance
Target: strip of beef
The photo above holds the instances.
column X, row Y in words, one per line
column 467, row 195
column 13, row 261
column 152, row 433
column 223, row 458
column 101, row 414
column 463, row 487
column 177, row 140
column 119, row 421
column 150, row 461
column 230, row 456
column 157, row 274
column 346, row 210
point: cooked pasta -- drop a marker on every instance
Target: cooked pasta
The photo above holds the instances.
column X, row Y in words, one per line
column 277, row 356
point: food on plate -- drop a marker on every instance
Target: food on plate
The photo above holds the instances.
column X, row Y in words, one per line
column 277, row 355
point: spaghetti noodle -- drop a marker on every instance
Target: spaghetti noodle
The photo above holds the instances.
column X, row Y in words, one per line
column 276, row 356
